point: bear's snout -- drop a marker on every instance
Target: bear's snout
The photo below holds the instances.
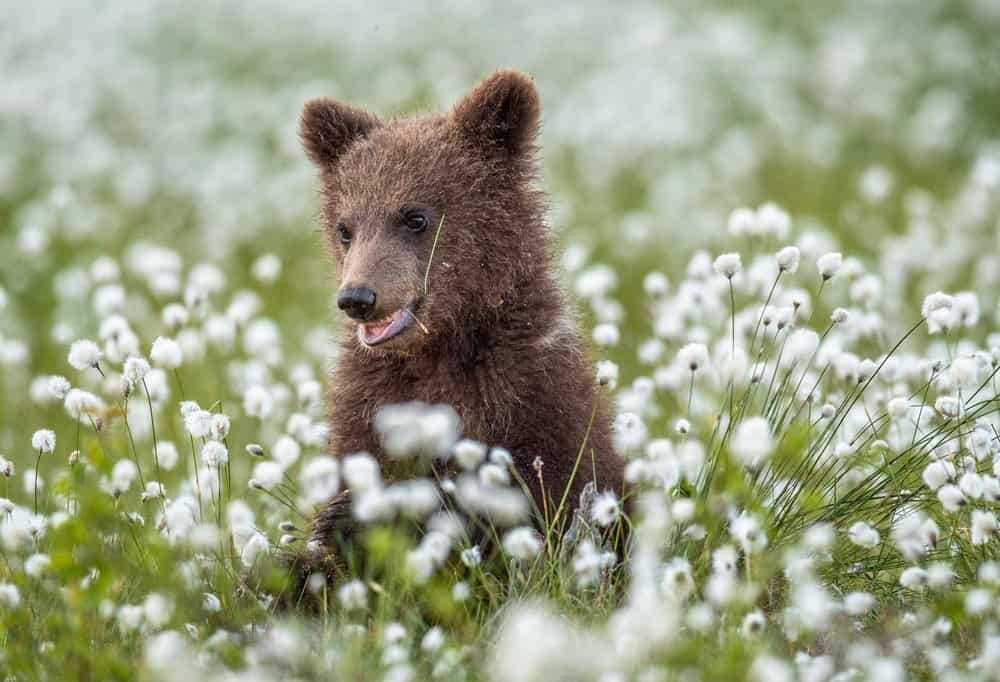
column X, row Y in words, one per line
column 357, row 302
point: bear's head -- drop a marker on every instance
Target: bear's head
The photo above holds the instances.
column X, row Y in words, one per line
column 434, row 221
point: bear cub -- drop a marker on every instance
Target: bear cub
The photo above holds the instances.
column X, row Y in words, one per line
column 447, row 281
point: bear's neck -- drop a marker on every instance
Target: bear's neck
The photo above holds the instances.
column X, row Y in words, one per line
column 514, row 322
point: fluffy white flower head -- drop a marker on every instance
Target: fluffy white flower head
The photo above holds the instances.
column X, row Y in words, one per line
column 727, row 265
column 84, row 354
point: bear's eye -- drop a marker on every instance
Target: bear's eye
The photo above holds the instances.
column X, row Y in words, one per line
column 415, row 222
column 343, row 234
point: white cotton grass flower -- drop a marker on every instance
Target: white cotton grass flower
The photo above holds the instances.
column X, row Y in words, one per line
column 589, row 563
column 678, row 582
column 158, row 610
column 84, row 354
column 166, row 352
column 606, row 509
column 258, row 402
column 952, row 498
column 243, row 307
column 981, row 442
column 417, row 429
column 198, row 422
column 858, row 603
column 43, row 441
column 655, row 284
column 914, row 535
column 361, row 472
column 37, row 564
column 414, row 499
column 628, row 433
column 937, row 312
column 10, row 596
column 965, row 308
column 267, row 475
column 788, row 259
column 964, row 372
column 214, row 454
column 898, row 408
column 373, row 505
column 819, row 537
column 949, row 407
column 262, row 340
column 461, row 592
column 501, row 457
column 123, row 474
column 135, row 369
column 800, row 346
column 607, row 374
column 752, row 443
column 130, row 617
column 522, row 543
column 747, row 531
column 57, row 387
column 469, row 453
column 219, row 332
column 166, row 455
column 971, row 484
column 353, row 595
column 256, row 547
column 753, row 624
column 432, row 640
column 984, row 526
column 175, row 316
column 863, row 535
column 650, row 351
column 978, row 601
column 829, row 264
column 727, row 265
column 319, row 480
column 471, row 556
column 596, row 282
column 938, row 473
column 742, row 222
column 210, row 603
column 606, row 335
column 732, row 365
column 218, row 428
column 266, row 268
column 286, row 451
column 913, row 577
column 80, row 403
column 693, row 356
column 772, row 221
column 154, row 490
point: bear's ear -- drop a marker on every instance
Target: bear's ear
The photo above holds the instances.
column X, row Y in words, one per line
column 501, row 113
column 328, row 127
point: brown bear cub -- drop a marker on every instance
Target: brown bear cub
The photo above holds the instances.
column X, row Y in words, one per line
column 447, row 279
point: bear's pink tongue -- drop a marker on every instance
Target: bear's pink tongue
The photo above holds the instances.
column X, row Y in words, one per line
column 373, row 333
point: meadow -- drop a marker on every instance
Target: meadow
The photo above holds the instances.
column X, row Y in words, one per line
column 780, row 224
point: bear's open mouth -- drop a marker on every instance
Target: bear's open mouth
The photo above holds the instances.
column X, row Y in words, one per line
column 379, row 331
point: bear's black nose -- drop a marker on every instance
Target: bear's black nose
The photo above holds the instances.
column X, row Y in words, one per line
column 358, row 302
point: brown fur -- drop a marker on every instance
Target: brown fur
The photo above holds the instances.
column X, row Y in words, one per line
column 502, row 346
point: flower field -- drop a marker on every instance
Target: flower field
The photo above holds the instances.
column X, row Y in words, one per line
column 780, row 226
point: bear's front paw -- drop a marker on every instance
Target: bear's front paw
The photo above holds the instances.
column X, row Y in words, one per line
column 321, row 561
